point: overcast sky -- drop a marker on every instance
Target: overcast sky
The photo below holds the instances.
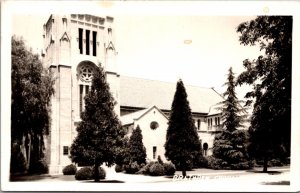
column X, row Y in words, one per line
column 153, row 46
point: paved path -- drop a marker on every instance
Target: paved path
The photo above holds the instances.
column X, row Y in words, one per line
column 202, row 180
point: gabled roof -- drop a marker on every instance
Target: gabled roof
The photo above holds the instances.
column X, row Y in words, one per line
column 143, row 93
column 130, row 118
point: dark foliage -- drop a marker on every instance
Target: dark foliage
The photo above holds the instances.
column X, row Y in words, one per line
column 157, row 169
column 70, row 170
column 230, row 144
column 182, row 141
column 84, row 173
column 100, row 135
column 38, row 167
column 119, row 168
column 18, row 162
column 32, row 87
column 270, row 76
column 136, row 148
column 132, row 168
column 146, row 169
column 169, row 169
column 160, row 160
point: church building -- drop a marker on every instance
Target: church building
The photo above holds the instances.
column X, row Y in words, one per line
column 73, row 46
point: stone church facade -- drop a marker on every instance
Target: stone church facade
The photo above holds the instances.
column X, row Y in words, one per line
column 73, row 46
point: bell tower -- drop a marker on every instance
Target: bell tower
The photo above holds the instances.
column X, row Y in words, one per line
column 111, row 68
column 74, row 45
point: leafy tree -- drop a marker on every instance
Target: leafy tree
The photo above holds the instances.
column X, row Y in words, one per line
column 100, row 135
column 270, row 76
column 229, row 144
column 32, row 87
column 137, row 150
column 182, row 141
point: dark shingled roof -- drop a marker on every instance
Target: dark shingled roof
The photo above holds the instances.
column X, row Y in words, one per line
column 143, row 93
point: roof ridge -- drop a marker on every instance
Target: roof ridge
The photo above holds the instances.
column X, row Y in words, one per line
column 164, row 81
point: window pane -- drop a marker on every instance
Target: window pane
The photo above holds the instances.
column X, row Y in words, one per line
column 87, row 45
column 154, row 152
column 65, row 150
column 94, row 43
column 80, row 97
column 80, row 40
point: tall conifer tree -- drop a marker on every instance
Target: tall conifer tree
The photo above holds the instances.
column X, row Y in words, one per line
column 100, row 134
column 230, row 143
column 137, row 150
column 182, row 141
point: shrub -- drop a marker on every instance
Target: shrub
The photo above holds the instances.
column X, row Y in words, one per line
column 157, row 170
column 241, row 166
column 118, row 168
column 169, row 169
column 69, row 170
column 275, row 162
column 84, row 173
column 189, row 165
column 160, row 160
column 216, row 163
column 146, row 168
column 200, row 162
column 102, row 173
column 132, row 168
column 40, row 167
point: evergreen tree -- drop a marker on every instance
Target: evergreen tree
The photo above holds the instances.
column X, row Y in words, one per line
column 137, row 150
column 100, row 135
column 230, row 143
column 32, row 87
column 270, row 75
column 182, row 141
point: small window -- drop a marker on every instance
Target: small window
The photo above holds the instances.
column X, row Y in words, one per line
column 198, row 124
column 154, row 152
column 66, row 150
column 154, row 125
column 216, row 121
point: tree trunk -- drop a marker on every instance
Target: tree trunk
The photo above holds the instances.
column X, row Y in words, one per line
column 183, row 172
column 28, row 149
column 265, row 164
column 96, row 172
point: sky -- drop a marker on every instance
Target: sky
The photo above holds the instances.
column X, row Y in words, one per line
column 199, row 49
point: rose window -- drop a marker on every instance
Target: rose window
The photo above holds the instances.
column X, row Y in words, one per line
column 86, row 73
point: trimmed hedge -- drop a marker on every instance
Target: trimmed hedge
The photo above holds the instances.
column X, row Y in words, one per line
column 146, row 169
column 84, row 173
column 87, row 173
column 169, row 169
column 157, row 170
column 69, row 170
column 132, row 168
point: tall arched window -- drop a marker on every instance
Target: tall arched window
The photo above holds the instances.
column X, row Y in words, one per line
column 85, row 74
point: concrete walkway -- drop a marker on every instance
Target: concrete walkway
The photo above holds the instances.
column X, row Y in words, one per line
column 278, row 179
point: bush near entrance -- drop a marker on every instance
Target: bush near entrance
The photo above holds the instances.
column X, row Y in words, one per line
column 70, row 170
column 87, row 173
